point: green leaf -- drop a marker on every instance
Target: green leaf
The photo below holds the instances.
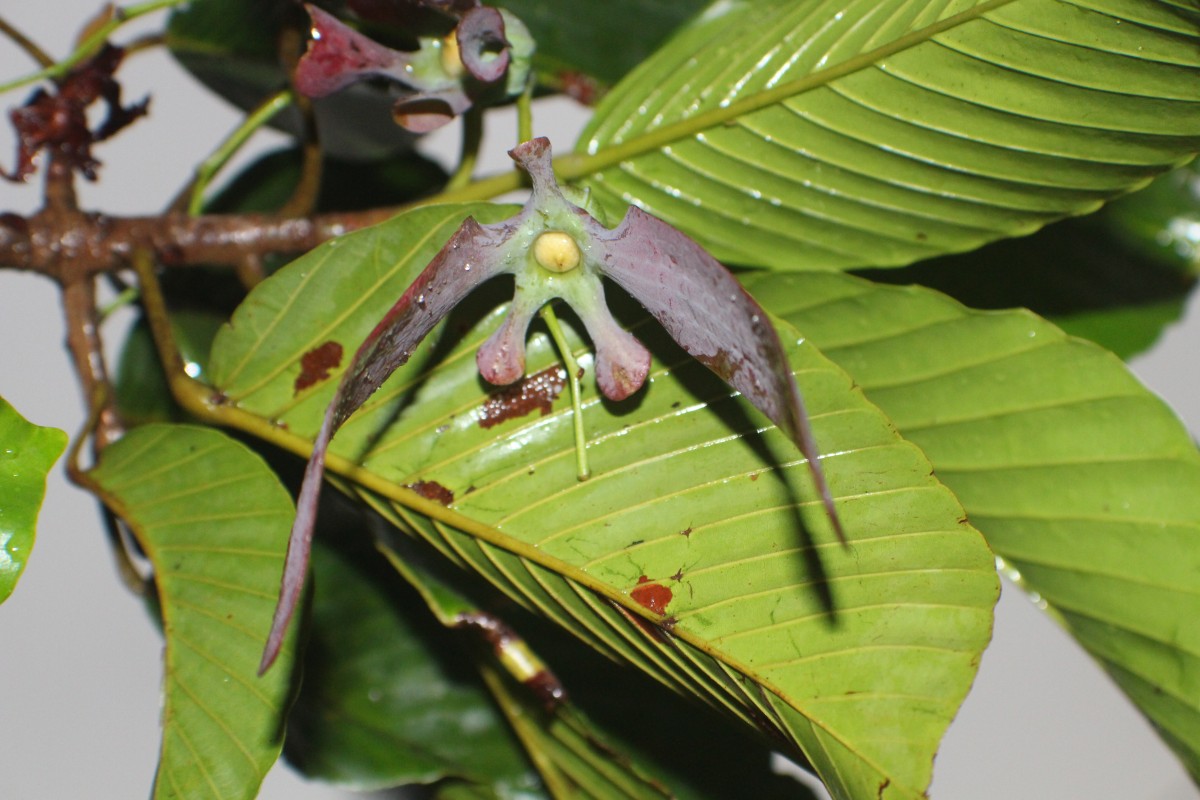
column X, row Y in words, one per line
column 1118, row 277
column 390, row 697
column 1126, row 332
column 346, row 185
column 615, row 732
column 27, row 452
column 831, row 134
column 213, row 520
column 700, row 517
column 1162, row 221
column 1082, row 481
column 1078, row 273
column 602, row 39
column 142, row 393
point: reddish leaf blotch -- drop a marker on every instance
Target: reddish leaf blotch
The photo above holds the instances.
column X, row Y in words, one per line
column 653, row 596
column 432, row 490
column 316, row 364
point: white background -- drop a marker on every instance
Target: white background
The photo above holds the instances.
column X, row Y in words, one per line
column 79, row 659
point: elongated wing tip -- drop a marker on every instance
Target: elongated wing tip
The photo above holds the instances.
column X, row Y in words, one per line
column 708, row 313
column 295, row 564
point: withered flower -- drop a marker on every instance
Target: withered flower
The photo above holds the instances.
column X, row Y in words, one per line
column 56, row 121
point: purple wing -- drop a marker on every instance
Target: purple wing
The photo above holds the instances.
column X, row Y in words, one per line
column 338, row 56
column 712, row 317
column 462, row 264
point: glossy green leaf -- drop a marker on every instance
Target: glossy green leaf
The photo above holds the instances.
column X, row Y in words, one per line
column 1082, row 481
column 213, row 519
column 700, row 516
column 602, row 39
column 1162, row 221
column 27, row 452
column 832, row 134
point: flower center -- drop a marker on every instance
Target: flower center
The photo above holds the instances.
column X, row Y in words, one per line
column 556, row 251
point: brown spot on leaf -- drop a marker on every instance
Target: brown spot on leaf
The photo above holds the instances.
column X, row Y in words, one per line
column 432, row 490
column 754, row 476
column 316, row 364
column 687, row 532
column 537, row 391
column 653, row 596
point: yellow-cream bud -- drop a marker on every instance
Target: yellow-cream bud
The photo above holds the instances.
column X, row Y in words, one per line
column 557, row 252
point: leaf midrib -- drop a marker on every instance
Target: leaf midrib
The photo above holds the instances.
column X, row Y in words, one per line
column 569, row 166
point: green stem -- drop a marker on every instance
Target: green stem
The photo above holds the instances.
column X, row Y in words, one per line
column 127, row 296
column 472, row 138
column 92, row 43
column 525, row 113
column 213, row 164
column 574, row 373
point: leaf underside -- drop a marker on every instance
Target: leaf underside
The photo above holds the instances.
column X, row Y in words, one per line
column 213, row 520
column 701, row 517
column 1081, row 480
column 1018, row 114
column 612, row 732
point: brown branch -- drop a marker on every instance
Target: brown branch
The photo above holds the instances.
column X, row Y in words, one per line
column 22, row 41
column 87, row 354
column 71, row 247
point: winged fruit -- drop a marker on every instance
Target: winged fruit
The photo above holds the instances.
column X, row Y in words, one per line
column 441, row 79
column 555, row 249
